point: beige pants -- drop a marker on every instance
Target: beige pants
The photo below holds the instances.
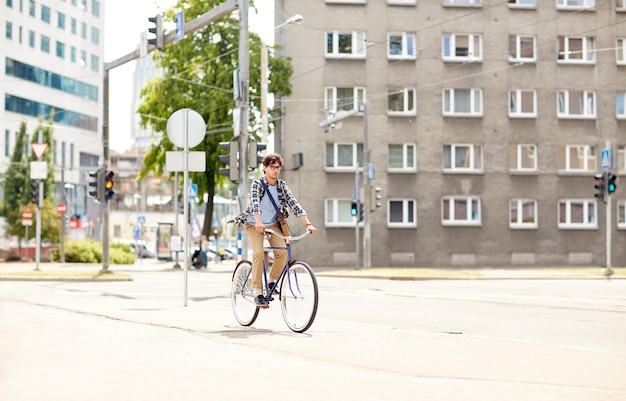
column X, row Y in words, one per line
column 255, row 239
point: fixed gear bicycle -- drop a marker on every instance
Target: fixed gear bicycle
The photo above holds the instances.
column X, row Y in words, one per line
column 296, row 287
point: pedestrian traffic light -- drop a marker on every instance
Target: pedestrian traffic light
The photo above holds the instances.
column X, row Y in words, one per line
column 600, row 186
column 360, row 212
column 374, row 198
column 108, row 185
column 157, row 30
column 611, row 186
column 35, row 193
column 96, row 185
column 354, row 209
column 254, row 159
column 231, row 160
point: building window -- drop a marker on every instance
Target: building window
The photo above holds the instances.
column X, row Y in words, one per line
column 577, row 158
column 73, row 54
column 345, row 44
column 577, row 214
column 337, row 213
column 10, row 3
column 576, row 50
column 401, row 45
column 401, row 101
column 61, row 20
column 9, row 30
column 402, row 213
column 83, row 58
column 402, row 158
column 522, row 3
column 576, row 104
column 460, row 211
column 523, row 157
column 574, row 4
column 620, row 5
column 31, row 39
column 95, row 62
column 462, row 2
column 523, row 214
column 462, row 158
column 344, row 156
column 83, row 5
column 621, row 214
column 7, row 143
column 45, row 44
column 620, row 159
column 35, row 109
column 620, row 51
column 83, row 30
column 60, row 50
column 31, row 8
column 401, row 2
column 462, row 47
column 462, row 102
column 95, row 8
column 522, row 48
column 95, row 35
column 73, row 26
column 346, row 99
column 523, row 103
column 45, row 14
column 620, row 111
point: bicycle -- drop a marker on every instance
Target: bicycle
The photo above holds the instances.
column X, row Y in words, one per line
column 296, row 286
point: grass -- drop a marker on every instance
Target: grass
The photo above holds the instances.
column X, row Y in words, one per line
column 67, row 275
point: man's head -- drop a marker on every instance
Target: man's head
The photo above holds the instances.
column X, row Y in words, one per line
column 272, row 163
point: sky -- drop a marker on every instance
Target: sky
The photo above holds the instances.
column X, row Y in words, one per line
column 124, row 21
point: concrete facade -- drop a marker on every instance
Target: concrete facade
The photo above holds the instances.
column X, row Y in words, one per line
column 576, row 74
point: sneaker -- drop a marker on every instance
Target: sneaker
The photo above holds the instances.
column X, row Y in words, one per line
column 260, row 301
column 275, row 286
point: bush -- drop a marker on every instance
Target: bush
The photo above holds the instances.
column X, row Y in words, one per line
column 90, row 251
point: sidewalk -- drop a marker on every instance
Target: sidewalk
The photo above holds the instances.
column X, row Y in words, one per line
column 67, row 271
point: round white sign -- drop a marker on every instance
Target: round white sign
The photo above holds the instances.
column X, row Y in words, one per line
column 196, row 128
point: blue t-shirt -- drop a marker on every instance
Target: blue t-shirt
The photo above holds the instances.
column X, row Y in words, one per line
column 268, row 211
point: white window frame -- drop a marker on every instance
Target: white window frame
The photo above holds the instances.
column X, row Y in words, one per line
column 475, row 98
column 407, row 44
column 409, row 209
column 522, row 3
column 402, row 2
column 621, row 214
column 358, row 45
column 470, row 219
column 337, row 149
column 620, row 50
column 337, row 213
column 620, row 105
column 518, row 99
column 587, row 103
column 449, row 47
column 570, row 4
column 330, row 98
column 409, row 158
column 406, row 96
column 462, row 3
column 620, row 5
column 520, row 153
column 473, row 158
column 346, row 1
column 517, row 56
column 587, row 54
column 518, row 209
column 589, row 214
column 620, row 159
column 585, row 156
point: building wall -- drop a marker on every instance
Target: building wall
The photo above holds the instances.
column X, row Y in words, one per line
column 431, row 243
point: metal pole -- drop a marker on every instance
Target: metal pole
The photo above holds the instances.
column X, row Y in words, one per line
column 367, row 251
column 186, row 203
column 608, row 271
column 176, row 265
column 63, row 200
column 357, row 187
column 242, row 105
column 38, row 226
column 264, row 122
column 105, row 165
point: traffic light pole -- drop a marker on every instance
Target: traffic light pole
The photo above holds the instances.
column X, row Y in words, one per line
column 608, row 270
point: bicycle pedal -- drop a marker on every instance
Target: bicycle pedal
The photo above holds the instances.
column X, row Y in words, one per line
column 263, row 306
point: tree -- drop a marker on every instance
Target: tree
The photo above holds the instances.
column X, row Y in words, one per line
column 198, row 74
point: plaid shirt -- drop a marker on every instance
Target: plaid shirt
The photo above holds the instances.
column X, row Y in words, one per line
column 286, row 200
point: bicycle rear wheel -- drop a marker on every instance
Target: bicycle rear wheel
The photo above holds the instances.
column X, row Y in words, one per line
column 299, row 297
column 242, row 295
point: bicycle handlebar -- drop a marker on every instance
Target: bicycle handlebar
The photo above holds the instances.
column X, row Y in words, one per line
column 289, row 237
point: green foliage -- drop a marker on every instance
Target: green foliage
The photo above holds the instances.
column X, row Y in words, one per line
column 90, row 251
column 50, row 222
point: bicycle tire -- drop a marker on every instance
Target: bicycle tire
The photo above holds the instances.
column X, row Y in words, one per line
column 242, row 295
column 299, row 297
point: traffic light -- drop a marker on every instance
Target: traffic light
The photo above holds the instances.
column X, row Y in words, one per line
column 374, row 198
column 611, row 186
column 354, row 209
column 360, row 212
column 600, row 186
column 108, row 185
column 254, row 159
column 34, row 191
column 157, row 30
column 216, row 231
column 96, row 185
column 230, row 159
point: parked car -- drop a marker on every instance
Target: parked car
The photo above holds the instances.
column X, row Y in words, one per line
column 138, row 247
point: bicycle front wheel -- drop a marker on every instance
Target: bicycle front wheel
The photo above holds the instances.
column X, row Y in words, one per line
column 299, row 297
column 242, row 295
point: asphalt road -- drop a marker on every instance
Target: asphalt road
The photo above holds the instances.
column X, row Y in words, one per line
column 372, row 340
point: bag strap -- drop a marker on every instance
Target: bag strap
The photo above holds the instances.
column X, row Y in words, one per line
column 267, row 191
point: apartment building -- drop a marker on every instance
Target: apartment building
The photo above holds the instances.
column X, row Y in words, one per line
column 51, row 58
column 486, row 123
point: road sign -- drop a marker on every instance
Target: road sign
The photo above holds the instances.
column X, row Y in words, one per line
column 27, row 215
column 193, row 191
column 136, row 232
column 606, row 159
column 61, row 208
column 180, row 25
column 38, row 170
column 39, row 149
column 141, row 219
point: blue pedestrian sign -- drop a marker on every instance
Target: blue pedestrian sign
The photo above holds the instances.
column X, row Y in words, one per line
column 180, row 25
column 606, row 159
column 141, row 219
column 136, row 232
column 193, row 191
